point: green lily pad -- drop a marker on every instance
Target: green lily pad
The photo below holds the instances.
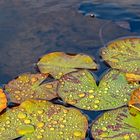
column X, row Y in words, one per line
column 119, row 124
column 37, row 119
column 123, row 54
column 3, row 100
column 28, row 86
column 80, row 89
column 59, row 63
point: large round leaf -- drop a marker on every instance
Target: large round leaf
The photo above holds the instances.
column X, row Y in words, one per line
column 59, row 63
column 123, row 54
column 28, row 86
column 135, row 99
column 80, row 89
column 3, row 100
column 119, row 124
column 43, row 120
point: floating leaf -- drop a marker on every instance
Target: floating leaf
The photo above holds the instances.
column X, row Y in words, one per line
column 59, row 63
column 27, row 86
column 36, row 119
column 132, row 77
column 80, row 89
column 3, row 100
column 119, row 124
column 124, row 55
column 48, row 89
column 135, row 99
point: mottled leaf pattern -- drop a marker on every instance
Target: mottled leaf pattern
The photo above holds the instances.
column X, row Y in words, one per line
column 34, row 120
column 118, row 124
column 28, row 86
column 123, row 54
column 80, row 89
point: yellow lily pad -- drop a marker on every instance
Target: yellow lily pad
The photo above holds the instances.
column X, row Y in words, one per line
column 60, row 63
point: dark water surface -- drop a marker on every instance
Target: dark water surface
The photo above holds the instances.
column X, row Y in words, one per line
column 32, row 28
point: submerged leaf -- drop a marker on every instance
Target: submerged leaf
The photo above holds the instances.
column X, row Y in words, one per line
column 34, row 120
column 3, row 100
column 124, row 55
column 119, row 124
column 135, row 99
column 59, row 63
column 132, row 77
column 27, row 86
column 80, row 89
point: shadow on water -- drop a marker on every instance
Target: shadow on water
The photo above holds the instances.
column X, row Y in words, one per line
column 30, row 29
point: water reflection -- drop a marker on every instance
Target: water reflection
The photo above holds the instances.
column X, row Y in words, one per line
column 29, row 29
column 115, row 11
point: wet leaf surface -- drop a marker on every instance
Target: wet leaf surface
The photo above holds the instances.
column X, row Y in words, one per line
column 80, row 89
column 119, row 124
column 59, row 63
column 123, row 54
column 132, row 77
column 42, row 120
column 135, row 99
column 3, row 100
column 28, row 86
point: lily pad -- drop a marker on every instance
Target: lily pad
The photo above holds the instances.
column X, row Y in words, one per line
column 135, row 99
column 123, row 54
column 132, row 77
column 80, row 89
column 59, row 63
column 3, row 100
column 28, row 86
column 37, row 119
column 119, row 124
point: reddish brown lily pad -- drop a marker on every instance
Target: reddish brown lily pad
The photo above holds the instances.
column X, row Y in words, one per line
column 28, row 86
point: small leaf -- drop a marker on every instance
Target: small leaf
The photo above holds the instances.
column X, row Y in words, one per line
column 132, row 77
column 36, row 119
column 80, row 89
column 3, row 100
column 59, row 63
column 28, row 86
column 123, row 54
column 118, row 124
column 135, row 99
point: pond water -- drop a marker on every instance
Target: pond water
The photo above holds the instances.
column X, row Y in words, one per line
column 32, row 28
